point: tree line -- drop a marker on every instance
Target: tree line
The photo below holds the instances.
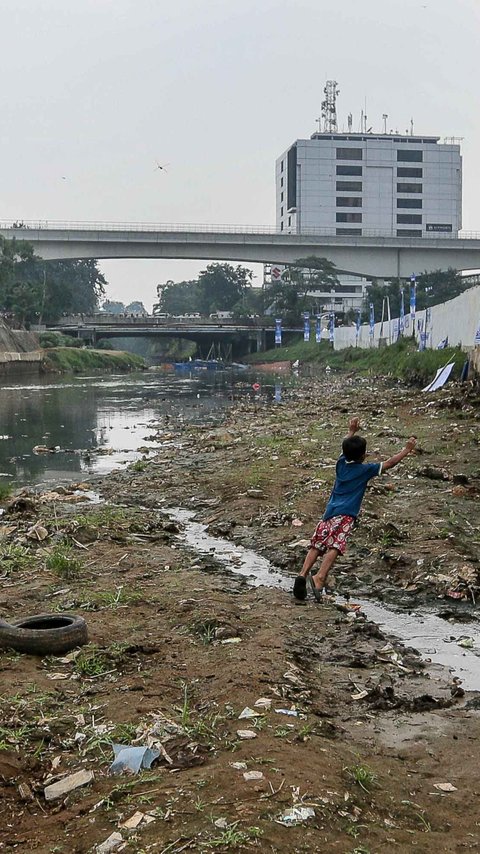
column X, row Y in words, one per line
column 36, row 291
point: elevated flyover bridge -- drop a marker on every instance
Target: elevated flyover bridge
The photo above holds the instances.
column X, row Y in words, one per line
column 374, row 254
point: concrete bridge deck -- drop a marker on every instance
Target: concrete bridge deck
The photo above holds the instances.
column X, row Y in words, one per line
column 374, row 254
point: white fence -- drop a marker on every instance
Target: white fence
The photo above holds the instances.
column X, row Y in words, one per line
column 458, row 319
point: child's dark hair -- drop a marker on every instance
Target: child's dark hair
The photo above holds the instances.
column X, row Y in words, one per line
column 354, row 448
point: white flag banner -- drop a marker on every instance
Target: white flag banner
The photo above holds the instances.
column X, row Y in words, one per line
column 440, row 378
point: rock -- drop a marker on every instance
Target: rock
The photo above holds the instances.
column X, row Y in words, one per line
column 432, row 473
column 225, row 632
column 68, row 784
column 255, row 493
column 460, row 479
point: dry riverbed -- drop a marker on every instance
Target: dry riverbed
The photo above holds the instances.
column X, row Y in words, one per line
column 372, row 747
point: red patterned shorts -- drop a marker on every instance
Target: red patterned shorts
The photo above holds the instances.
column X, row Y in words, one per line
column 332, row 534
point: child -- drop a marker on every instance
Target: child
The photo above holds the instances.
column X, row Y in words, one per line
column 330, row 537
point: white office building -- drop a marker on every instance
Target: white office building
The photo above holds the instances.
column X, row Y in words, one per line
column 370, row 184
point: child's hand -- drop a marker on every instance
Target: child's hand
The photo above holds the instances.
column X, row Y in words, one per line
column 411, row 444
column 354, row 425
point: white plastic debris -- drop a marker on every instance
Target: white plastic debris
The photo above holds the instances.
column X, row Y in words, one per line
column 295, row 815
column 239, row 766
column 253, row 775
column 113, row 841
column 290, row 712
column 246, row 733
column 247, row 713
column 263, row 703
column 68, row 784
column 445, row 787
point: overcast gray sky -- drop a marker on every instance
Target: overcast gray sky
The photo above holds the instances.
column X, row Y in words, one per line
column 94, row 91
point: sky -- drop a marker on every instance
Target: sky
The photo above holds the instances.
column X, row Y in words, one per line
column 95, row 92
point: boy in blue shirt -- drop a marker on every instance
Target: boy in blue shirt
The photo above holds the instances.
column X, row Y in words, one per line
column 331, row 533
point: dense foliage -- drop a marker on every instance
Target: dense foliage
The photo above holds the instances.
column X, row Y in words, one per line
column 432, row 289
column 221, row 287
column 38, row 291
column 292, row 294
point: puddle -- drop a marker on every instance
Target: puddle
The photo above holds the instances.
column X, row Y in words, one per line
column 429, row 634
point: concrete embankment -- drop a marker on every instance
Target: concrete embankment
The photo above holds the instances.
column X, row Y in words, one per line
column 19, row 351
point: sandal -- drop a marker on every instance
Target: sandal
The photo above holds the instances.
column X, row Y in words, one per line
column 317, row 591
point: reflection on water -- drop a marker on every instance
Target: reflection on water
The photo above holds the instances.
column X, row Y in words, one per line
column 113, row 414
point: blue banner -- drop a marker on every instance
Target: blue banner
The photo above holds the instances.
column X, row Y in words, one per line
column 413, row 299
column 357, row 325
column 306, row 326
column 278, row 331
column 372, row 320
column 402, row 312
column 332, row 328
column 318, row 329
column 477, row 337
column 422, row 344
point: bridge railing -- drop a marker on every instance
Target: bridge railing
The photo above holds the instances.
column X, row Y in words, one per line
column 196, row 228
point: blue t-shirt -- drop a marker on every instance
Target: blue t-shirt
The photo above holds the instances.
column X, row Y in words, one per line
column 349, row 487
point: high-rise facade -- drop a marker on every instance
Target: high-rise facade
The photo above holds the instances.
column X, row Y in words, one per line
column 370, row 184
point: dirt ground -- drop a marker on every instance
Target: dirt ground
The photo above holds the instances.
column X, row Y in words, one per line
column 374, row 745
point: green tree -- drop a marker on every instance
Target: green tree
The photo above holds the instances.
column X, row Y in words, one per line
column 291, row 295
column 432, row 289
column 177, row 298
column 223, row 287
column 113, row 306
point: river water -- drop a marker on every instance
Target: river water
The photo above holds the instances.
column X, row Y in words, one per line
column 98, row 423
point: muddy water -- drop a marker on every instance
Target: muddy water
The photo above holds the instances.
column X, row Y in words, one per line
column 435, row 638
column 98, row 423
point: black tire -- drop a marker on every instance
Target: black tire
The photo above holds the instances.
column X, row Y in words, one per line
column 44, row 634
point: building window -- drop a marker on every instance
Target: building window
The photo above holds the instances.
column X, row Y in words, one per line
column 281, row 166
column 409, row 232
column 349, row 153
column 409, row 203
column 409, row 188
column 351, row 231
column 289, row 221
column 281, row 197
column 281, row 211
column 349, row 186
column 409, row 172
column 349, row 202
column 409, row 155
column 349, row 217
column 281, row 182
column 349, row 170
column 409, row 219
column 281, row 226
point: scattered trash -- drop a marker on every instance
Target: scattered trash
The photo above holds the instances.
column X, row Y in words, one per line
column 37, row 532
column 248, row 713
column 290, row 712
column 246, row 733
column 445, row 787
column 297, row 523
column 295, row 815
column 466, row 642
column 263, row 703
column 239, row 766
column 129, row 758
column 221, row 823
column 68, row 784
column 231, row 640
column 114, row 840
column 360, row 696
column 137, row 819
column 253, row 775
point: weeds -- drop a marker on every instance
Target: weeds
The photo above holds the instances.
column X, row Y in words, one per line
column 6, row 490
column 138, row 466
column 362, row 776
column 14, row 558
column 205, row 630
column 63, row 563
column 233, row 838
column 92, row 662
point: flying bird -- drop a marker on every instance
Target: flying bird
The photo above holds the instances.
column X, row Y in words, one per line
column 160, row 167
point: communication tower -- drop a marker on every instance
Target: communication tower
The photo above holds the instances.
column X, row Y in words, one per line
column 329, row 107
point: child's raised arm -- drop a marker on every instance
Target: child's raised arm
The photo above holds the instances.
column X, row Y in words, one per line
column 353, row 426
column 397, row 458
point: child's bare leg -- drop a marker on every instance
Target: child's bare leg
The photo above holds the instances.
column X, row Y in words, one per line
column 309, row 561
column 321, row 576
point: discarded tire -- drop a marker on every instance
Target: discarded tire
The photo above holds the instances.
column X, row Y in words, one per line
column 44, row 634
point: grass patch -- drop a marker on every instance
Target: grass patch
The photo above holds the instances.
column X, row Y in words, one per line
column 63, row 562
column 362, row 776
column 6, row 490
column 401, row 360
column 14, row 558
column 93, row 661
column 71, row 360
column 232, row 837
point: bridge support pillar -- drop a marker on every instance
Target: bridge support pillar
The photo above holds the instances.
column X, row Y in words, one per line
column 261, row 341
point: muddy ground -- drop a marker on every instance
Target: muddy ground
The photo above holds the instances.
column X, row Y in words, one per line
column 381, row 747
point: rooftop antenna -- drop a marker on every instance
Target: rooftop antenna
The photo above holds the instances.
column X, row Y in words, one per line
column 350, row 122
column 411, row 127
column 385, row 117
column 329, row 107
